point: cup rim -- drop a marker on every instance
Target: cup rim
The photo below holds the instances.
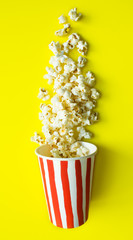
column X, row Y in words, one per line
column 67, row 159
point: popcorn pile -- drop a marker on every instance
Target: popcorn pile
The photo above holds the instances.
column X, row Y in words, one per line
column 72, row 107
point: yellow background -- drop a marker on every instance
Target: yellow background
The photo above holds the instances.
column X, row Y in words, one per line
column 27, row 27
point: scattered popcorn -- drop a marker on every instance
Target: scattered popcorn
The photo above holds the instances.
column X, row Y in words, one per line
column 64, row 31
column 94, row 117
column 74, row 15
column 56, row 64
column 73, row 39
column 90, row 79
column 55, row 47
column 81, row 61
column 67, row 27
column 71, row 42
column 89, row 105
column 62, row 19
column 83, row 133
column 82, row 47
column 69, row 67
column 77, row 70
column 43, row 94
column 37, row 138
column 94, row 93
column 51, row 72
column 42, row 105
column 65, row 47
column 62, row 58
column 85, row 122
column 50, row 78
column 73, row 79
column 72, row 106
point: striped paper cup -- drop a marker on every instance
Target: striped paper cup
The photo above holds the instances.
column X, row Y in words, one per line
column 67, row 184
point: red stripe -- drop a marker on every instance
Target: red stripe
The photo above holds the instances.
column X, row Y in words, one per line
column 79, row 191
column 54, row 193
column 67, row 196
column 88, row 185
column 45, row 187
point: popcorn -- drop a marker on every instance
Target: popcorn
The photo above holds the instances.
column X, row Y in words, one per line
column 37, row 138
column 55, row 47
column 85, row 122
column 78, row 150
column 73, row 39
column 75, row 91
column 74, row 15
column 62, row 114
column 76, row 121
column 65, row 47
column 67, row 27
column 86, row 114
column 51, row 72
column 68, row 86
column 64, row 31
column 67, row 95
column 56, row 64
column 82, row 47
column 94, row 93
column 50, row 78
column 70, row 132
column 62, row 19
column 89, row 105
column 55, row 153
column 60, row 80
column 71, row 43
column 81, row 61
column 81, row 81
column 70, row 67
column 83, row 133
column 94, row 117
column 90, row 79
column 77, row 70
column 69, row 139
column 43, row 94
column 47, row 112
column 56, row 102
column 42, row 105
column 74, row 146
column 73, row 79
column 41, row 116
column 72, row 106
column 62, row 58
column 62, row 131
column 60, row 91
column 82, row 151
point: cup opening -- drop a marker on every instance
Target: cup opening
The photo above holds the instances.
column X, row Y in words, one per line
column 44, row 151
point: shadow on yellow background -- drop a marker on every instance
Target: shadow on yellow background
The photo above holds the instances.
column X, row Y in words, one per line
column 104, row 173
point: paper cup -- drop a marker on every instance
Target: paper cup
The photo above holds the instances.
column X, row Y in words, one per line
column 67, row 184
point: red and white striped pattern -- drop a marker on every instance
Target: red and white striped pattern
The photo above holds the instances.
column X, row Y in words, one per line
column 67, row 185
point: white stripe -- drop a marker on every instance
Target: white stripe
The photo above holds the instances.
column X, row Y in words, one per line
column 73, row 190
column 49, row 191
column 58, row 182
column 83, row 172
column 43, row 184
column 91, row 174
